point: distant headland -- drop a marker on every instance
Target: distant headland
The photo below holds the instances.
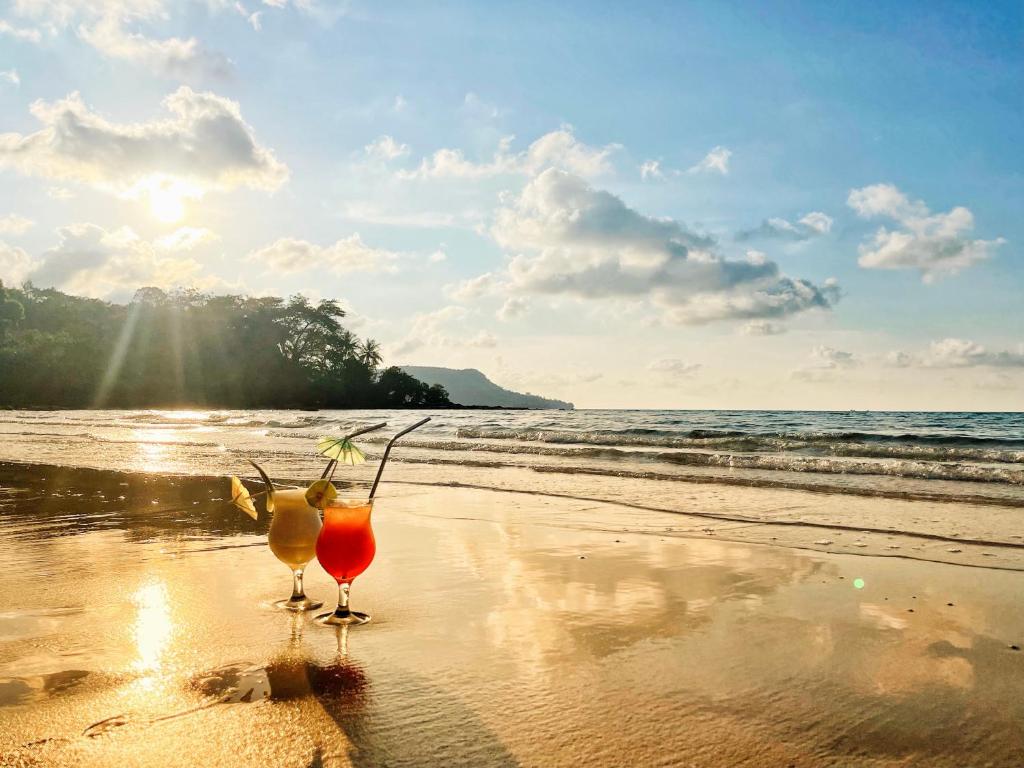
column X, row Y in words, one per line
column 468, row 386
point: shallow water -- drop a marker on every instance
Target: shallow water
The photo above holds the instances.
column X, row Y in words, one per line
column 945, row 456
column 509, row 629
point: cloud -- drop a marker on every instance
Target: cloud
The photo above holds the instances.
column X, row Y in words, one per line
column 514, row 306
column 185, row 239
column 203, row 144
column 372, row 214
column 762, row 328
column 813, row 224
column 112, row 28
column 671, row 369
column 15, row 264
column 832, row 358
column 172, row 57
column 11, row 77
column 958, row 353
column 651, row 169
column 432, row 329
column 557, row 149
column 715, row 161
column 934, row 244
column 13, row 224
column 473, row 288
column 386, row 148
column 349, row 254
column 825, row 361
column 898, row 359
column 90, row 261
column 20, row 33
column 572, row 239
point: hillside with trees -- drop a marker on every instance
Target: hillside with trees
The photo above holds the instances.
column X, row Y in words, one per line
column 192, row 349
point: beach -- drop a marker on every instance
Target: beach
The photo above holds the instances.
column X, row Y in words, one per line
column 509, row 628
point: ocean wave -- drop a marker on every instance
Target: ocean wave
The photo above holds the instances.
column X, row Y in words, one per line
column 88, row 436
column 745, row 481
column 851, row 444
column 922, row 470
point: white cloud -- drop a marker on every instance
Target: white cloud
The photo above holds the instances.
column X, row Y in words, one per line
column 898, row 359
column 557, row 149
column 90, row 261
column 386, row 148
column 185, row 239
column 434, row 329
column 514, row 306
column 172, row 57
column 651, row 169
column 15, row 264
column 13, row 224
column 957, row 353
column 671, row 369
column 11, row 77
column 813, row 224
column 588, row 243
column 960, row 353
column 935, row 244
column 349, row 254
column 715, row 161
column 437, row 257
column 112, row 28
column 204, row 144
column 825, row 361
column 20, row 33
column 762, row 328
column 473, row 288
column 832, row 358
column 371, row 214
column 476, row 107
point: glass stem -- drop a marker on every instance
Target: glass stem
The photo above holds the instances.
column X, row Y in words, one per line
column 342, row 610
column 297, row 592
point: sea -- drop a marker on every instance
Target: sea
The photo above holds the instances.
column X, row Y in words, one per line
column 952, row 457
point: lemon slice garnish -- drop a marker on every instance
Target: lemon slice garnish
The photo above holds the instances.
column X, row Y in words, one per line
column 321, row 493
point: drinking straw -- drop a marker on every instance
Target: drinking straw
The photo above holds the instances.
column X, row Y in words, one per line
column 387, row 451
column 333, row 462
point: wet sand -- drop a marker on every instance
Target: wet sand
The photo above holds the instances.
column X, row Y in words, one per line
column 508, row 629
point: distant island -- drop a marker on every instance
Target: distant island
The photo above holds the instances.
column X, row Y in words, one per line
column 468, row 386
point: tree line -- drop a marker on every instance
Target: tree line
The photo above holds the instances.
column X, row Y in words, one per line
column 188, row 348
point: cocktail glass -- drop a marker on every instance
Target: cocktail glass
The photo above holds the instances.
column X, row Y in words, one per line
column 345, row 548
column 293, row 535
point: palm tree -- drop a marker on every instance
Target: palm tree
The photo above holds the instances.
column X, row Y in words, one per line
column 369, row 354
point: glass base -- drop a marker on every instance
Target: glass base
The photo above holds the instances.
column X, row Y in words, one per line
column 302, row 604
column 334, row 619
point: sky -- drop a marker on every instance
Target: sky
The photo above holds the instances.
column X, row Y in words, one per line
column 643, row 205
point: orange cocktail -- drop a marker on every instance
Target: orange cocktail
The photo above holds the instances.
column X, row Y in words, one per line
column 345, row 548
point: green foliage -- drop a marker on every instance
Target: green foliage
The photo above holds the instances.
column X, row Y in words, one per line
column 189, row 348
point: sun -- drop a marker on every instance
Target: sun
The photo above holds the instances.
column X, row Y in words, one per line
column 166, row 205
column 166, row 195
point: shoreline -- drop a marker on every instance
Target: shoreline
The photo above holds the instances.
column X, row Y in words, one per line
column 496, row 616
column 648, row 519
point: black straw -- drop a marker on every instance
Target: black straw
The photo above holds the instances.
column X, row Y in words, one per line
column 387, row 451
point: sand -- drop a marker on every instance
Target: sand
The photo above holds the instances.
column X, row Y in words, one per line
column 508, row 629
